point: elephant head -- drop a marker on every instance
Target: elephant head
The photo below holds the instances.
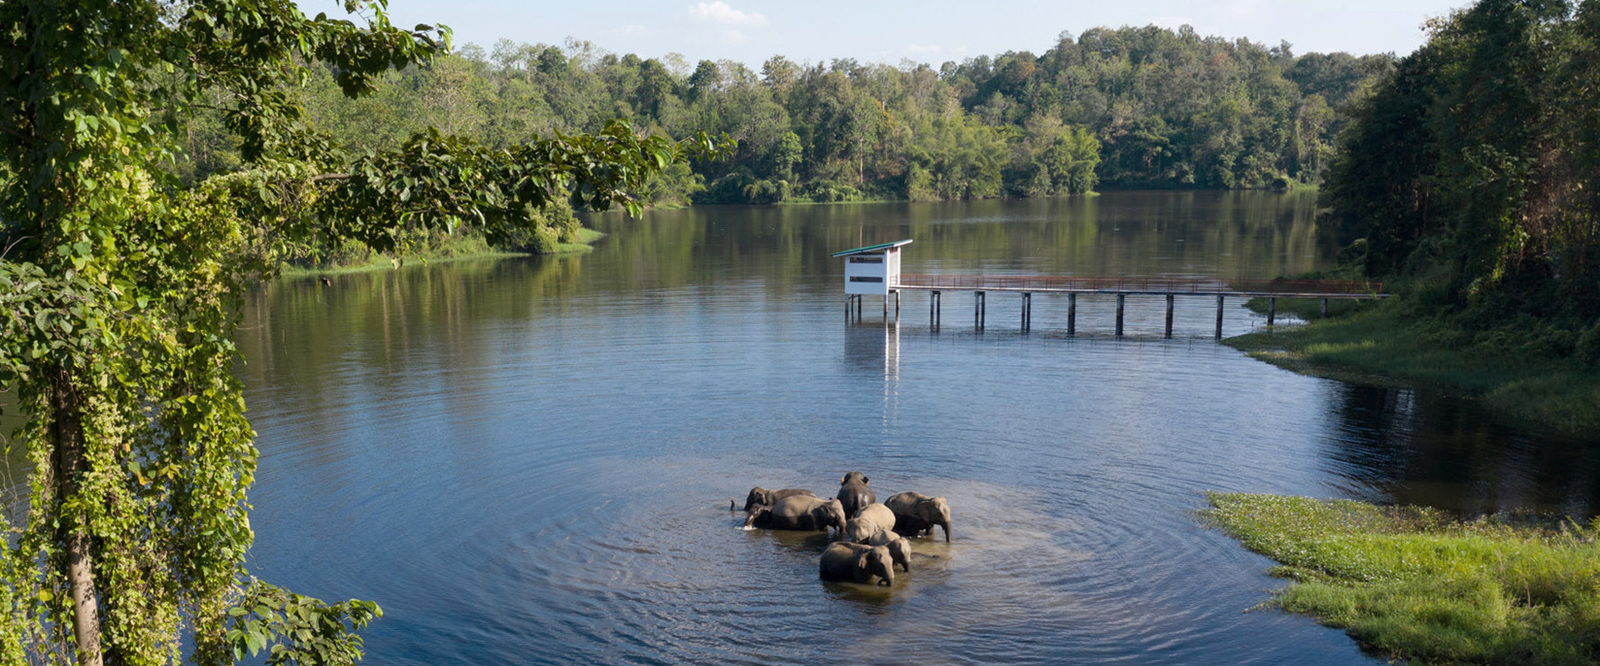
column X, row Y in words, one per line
column 758, row 495
column 899, row 547
column 755, row 514
column 934, row 511
column 830, row 514
column 858, row 530
column 876, row 562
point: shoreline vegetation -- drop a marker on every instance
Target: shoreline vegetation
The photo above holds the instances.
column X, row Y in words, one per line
column 1522, row 371
column 1470, row 178
column 1417, row 584
column 450, row 248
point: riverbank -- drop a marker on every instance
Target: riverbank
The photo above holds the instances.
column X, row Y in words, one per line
column 1412, row 583
column 453, row 250
column 1529, row 374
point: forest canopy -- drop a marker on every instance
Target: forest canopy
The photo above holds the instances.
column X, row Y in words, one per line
column 1110, row 108
column 1475, row 169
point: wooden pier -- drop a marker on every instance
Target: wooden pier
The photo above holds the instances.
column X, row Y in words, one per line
column 1171, row 288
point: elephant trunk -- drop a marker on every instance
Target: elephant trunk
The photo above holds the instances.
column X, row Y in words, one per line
column 946, row 526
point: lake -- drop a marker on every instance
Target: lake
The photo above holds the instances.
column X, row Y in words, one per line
column 529, row 460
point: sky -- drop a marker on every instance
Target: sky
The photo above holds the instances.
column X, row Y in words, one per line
column 929, row 31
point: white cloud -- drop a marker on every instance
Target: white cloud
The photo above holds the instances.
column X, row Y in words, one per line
column 720, row 12
column 918, row 49
column 633, row 29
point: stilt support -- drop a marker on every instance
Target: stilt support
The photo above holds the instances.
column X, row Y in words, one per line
column 933, row 310
column 1072, row 314
column 1272, row 309
column 1219, row 316
column 1324, row 308
column 1120, row 299
column 1169, row 316
column 978, row 309
column 1027, row 311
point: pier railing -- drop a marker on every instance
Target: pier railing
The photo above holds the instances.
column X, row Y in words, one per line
column 1145, row 285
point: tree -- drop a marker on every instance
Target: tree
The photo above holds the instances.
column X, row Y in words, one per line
column 120, row 288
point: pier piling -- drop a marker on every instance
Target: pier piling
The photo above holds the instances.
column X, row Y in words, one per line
column 1072, row 314
column 1120, row 298
column 1219, row 316
column 1169, row 316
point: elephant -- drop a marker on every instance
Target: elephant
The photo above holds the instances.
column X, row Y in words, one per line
column 868, row 520
column 759, row 495
column 899, row 547
column 798, row 512
column 854, row 493
column 857, row 562
column 915, row 512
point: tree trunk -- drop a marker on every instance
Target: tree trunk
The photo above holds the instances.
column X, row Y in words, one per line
column 67, row 405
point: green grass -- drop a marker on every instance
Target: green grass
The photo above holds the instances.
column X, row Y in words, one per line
column 1411, row 583
column 1512, row 372
column 586, row 239
column 453, row 250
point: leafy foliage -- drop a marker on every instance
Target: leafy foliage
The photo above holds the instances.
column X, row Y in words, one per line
column 1475, row 167
column 1125, row 108
column 123, row 264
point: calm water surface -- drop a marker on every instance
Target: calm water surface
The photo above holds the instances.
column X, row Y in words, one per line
column 529, row 460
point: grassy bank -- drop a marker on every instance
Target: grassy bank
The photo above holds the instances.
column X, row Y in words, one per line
column 1411, row 583
column 1519, row 373
column 467, row 247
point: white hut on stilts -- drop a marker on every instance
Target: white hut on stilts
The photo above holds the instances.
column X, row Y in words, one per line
column 874, row 269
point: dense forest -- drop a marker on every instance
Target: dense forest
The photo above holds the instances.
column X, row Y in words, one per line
column 1475, row 172
column 1126, row 108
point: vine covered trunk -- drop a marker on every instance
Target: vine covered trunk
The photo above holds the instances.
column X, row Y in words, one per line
column 66, row 401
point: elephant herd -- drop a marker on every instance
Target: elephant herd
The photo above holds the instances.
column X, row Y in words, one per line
column 871, row 535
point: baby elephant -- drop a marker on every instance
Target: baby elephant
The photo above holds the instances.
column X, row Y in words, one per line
column 854, row 493
column 759, row 495
column 899, row 547
column 915, row 512
column 857, row 562
column 868, row 520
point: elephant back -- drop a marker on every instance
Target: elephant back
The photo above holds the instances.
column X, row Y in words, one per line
column 854, row 493
column 903, row 506
column 878, row 515
column 759, row 496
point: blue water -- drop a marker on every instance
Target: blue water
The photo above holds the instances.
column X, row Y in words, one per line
column 530, row 460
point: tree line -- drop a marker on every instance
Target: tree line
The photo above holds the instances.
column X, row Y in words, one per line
column 1112, row 108
column 1474, row 171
